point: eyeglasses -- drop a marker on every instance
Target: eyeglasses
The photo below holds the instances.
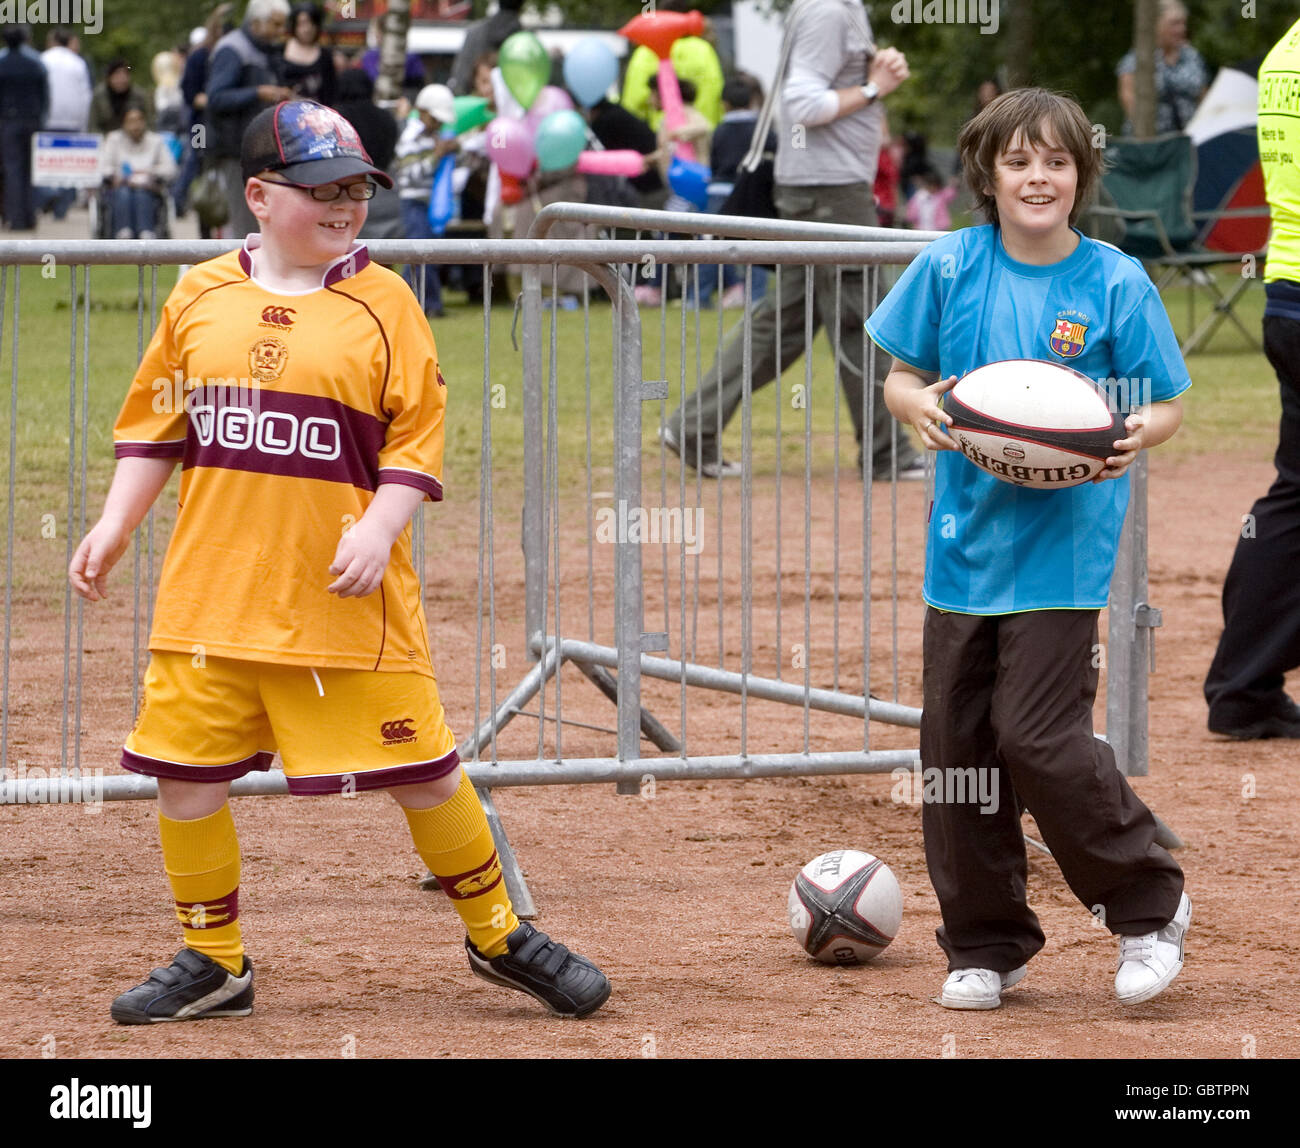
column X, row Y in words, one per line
column 329, row 192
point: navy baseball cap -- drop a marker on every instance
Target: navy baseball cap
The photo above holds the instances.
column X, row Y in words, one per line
column 307, row 143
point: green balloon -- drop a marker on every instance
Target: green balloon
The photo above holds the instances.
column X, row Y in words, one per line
column 471, row 112
column 561, row 138
column 525, row 67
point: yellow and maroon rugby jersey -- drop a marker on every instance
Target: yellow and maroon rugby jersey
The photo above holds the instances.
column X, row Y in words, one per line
column 288, row 411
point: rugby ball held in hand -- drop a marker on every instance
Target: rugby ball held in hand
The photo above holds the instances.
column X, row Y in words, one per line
column 1034, row 423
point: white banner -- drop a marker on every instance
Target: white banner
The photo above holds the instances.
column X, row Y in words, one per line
column 65, row 159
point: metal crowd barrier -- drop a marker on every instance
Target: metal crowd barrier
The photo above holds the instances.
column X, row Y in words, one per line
column 633, row 664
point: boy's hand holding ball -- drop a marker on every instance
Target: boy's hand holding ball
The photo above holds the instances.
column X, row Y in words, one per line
column 927, row 417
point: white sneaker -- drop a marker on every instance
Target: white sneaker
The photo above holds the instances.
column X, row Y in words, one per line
column 1149, row 963
column 715, row 468
column 978, row 988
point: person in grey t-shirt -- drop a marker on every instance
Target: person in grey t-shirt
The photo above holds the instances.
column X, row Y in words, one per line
column 831, row 125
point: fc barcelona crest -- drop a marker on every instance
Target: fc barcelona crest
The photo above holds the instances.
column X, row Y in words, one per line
column 1067, row 338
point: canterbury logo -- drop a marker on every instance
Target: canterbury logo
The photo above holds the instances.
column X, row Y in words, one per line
column 397, row 731
column 279, row 316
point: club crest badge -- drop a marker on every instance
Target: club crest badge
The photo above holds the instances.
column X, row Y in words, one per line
column 267, row 358
column 1067, row 338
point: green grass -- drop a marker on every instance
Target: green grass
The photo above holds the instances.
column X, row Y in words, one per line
column 1233, row 406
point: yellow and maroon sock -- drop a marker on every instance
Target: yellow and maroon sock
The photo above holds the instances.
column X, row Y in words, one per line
column 202, row 862
column 454, row 841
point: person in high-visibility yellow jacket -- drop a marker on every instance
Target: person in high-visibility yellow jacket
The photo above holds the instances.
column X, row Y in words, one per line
column 1260, row 643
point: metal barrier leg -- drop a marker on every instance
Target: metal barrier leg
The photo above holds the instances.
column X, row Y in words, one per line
column 1131, row 642
column 520, row 896
column 651, row 726
column 516, row 886
column 531, row 683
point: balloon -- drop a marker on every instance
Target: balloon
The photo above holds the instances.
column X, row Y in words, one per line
column 690, row 181
column 471, row 112
column 590, row 69
column 525, row 67
column 560, row 140
column 510, row 147
column 548, row 100
column 670, row 97
column 442, row 198
column 621, row 161
column 658, row 30
column 512, row 191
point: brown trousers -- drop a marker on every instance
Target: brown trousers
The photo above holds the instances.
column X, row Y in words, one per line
column 1012, row 695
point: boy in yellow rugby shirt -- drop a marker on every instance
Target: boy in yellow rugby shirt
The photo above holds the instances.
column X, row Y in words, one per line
column 308, row 470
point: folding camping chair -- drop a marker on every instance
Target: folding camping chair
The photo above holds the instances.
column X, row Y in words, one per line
column 1150, row 184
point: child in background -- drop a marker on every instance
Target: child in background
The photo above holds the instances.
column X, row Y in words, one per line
column 695, row 133
column 1014, row 577
column 420, row 149
column 478, row 182
column 927, row 210
column 742, row 99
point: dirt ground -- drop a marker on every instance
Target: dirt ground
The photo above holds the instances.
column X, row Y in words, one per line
column 679, row 896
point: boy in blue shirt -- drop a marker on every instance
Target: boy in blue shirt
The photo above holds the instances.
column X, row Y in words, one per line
column 1015, row 577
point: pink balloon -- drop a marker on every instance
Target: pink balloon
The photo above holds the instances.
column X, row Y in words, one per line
column 623, row 161
column 510, row 146
column 549, row 99
column 670, row 97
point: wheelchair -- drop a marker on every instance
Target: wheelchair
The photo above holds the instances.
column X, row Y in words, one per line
column 102, row 224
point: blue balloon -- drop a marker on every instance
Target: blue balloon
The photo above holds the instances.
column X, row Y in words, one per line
column 442, row 198
column 590, row 68
column 690, row 181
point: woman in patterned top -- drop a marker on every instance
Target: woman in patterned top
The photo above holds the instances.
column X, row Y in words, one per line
column 1181, row 75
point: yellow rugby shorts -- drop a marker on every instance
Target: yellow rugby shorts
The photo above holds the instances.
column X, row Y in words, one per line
column 337, row 731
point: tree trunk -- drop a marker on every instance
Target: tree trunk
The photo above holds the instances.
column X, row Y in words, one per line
column 392, row 50
column 1144, row 70
column 1019, row 43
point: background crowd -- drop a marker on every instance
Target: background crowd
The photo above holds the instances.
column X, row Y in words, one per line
column 172, row 141
column 171, row 137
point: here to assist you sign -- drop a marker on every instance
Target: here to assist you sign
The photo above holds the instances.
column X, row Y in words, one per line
column 65, row 159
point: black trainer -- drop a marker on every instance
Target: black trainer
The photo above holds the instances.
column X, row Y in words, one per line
column 195, row 987
column 567, row 984
column 1282, row 721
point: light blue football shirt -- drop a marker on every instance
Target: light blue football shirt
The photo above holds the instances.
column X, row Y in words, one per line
column 996, row 548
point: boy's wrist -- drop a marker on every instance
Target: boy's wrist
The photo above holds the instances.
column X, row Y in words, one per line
column 116, row 522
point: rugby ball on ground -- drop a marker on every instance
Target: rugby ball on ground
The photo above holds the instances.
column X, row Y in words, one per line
column 1034, row 423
